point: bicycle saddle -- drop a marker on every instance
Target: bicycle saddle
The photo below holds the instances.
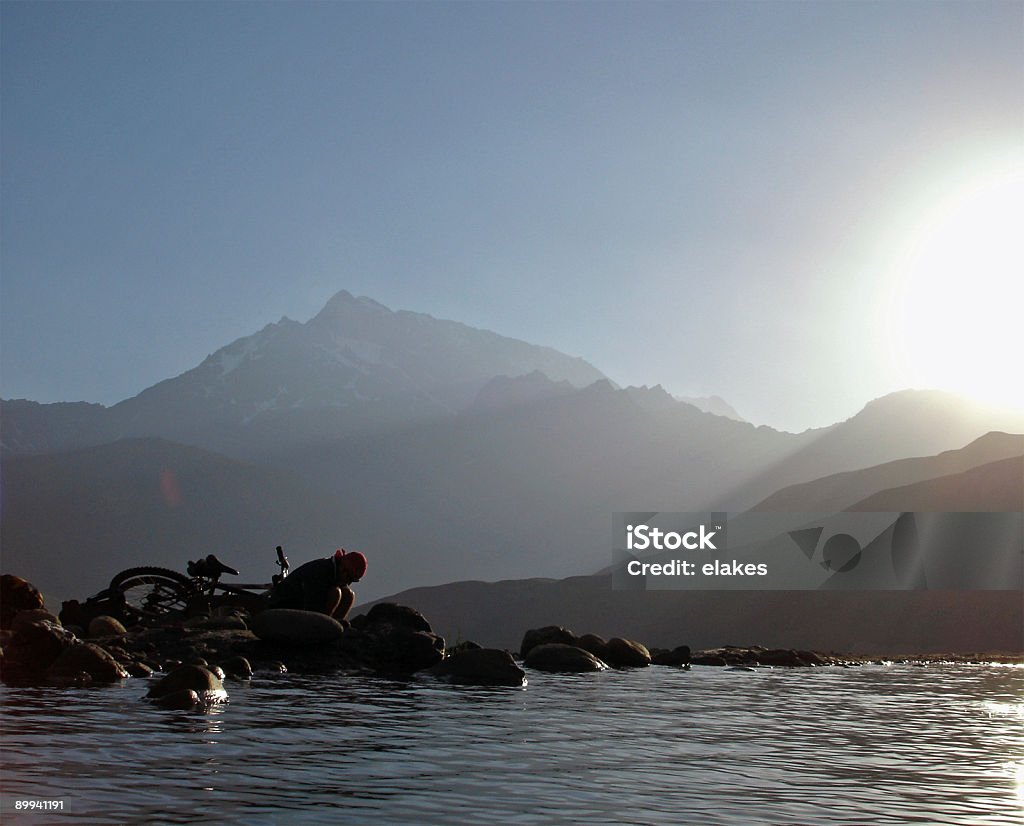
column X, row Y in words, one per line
column 211, row 568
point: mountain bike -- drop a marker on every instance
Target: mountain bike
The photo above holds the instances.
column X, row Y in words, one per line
column 153, row 594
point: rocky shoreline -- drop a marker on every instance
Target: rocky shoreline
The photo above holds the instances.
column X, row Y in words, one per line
column 197, row 655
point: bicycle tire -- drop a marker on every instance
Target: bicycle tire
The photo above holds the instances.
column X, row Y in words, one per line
column 151, row 592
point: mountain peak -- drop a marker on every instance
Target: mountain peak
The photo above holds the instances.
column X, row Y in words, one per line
column 343, row 303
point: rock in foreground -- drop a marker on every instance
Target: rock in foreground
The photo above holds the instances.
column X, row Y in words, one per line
column 294, row 627
column 481, row 666
column 558, row 657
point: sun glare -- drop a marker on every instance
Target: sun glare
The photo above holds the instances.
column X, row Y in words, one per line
column 957, row 279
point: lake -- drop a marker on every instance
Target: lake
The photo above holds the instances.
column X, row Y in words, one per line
column 878, row 744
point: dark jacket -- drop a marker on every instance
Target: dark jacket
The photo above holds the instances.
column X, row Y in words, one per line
column 307, row 587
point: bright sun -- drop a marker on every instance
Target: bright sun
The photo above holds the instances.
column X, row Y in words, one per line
column 956, row 312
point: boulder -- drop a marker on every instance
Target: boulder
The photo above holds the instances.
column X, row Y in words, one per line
column 294, row 627
column 709, row 659
column 401, row 651
column 395, row 615
column 206, row 685
column 813, row 658
column 104, row 626
column 561, row 657
column 16, row 594
column 89, row 658
column 782, row 657
column 481, row 666
column 596, row 645
column 544, row 636
column 137, row 669
column 394, row 639
column 238, row 667
column 33, row 615
column 622, row 653
column 677, row 657
column 182, row 699
column 38, row 644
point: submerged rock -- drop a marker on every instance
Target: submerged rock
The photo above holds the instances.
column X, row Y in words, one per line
column 183, row 699
column 481, row 666
column 677, row 657
column 203, row 683
column 238, row 667
column 560, row 657
column 788, row 658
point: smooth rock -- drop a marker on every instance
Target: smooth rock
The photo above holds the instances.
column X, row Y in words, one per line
column 238, row 667
column 560, row 657
column 544, row 636
column 290, row 625
column 137, row 669
column 207, row 686
column 622, row 653
column 482, row 666
column 184, row 698
column 104, row 626
column 594, row 644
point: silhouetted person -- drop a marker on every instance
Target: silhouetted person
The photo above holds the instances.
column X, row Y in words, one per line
column 323, row 585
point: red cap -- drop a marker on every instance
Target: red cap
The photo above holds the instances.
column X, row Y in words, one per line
column 353, row 564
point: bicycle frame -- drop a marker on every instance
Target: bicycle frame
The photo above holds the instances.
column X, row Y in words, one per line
column 150, row 594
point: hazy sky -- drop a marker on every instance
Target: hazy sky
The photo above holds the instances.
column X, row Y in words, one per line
column 707, row 196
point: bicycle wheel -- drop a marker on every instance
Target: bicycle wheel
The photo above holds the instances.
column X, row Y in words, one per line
column 151, row 593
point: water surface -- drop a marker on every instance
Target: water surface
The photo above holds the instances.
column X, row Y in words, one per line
column 942, row 744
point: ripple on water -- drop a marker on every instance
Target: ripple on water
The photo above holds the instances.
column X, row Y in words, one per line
column 884, row 745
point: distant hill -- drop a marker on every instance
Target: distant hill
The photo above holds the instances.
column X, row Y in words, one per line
column 900, row 425
column 841, row 490
column 996, row 486
column 857, row 622
column 868, row 622
column 31, row 427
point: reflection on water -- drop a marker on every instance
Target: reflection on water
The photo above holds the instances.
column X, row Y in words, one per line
column 880, row 745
